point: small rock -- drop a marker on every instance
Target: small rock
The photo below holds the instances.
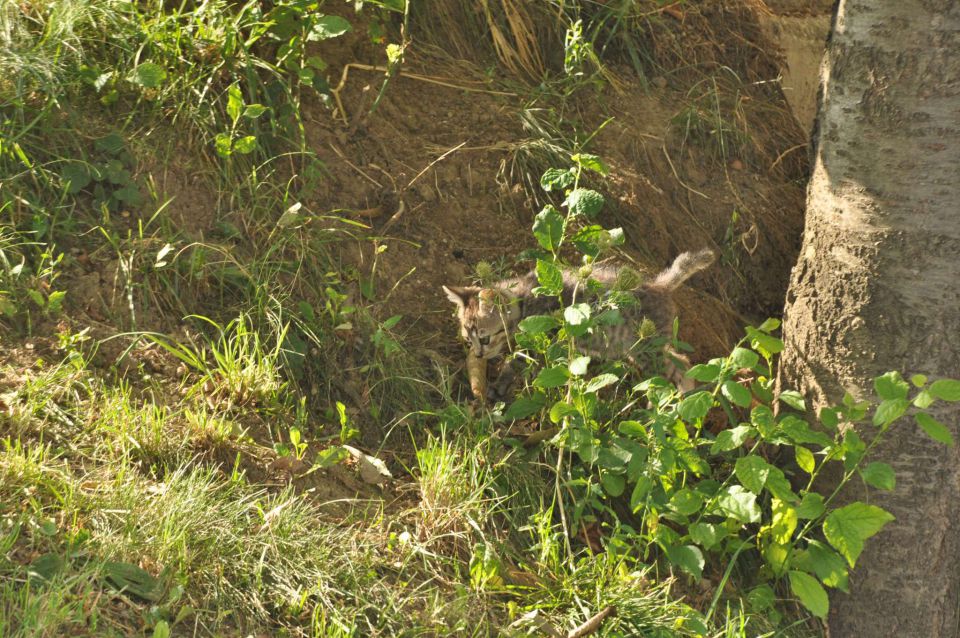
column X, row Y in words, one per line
column 736, row 165
column 660, row 82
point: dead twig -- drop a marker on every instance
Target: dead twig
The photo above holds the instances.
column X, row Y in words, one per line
column 406, row 74
column 680, row 181
column 593, row 624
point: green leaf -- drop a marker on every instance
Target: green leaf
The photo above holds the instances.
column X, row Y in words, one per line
column 585, row 202
column 752, row 471
column 686, row 502
column 826, row 564
column 557, row 179
column 131, row 578
column 924, row 399
column 769, row 325
column 879, row 475
column 590, row 162
column 331, row 456
column 46, row 566
column 552, row 377
column 805, row 460
column 794, row 399
column 733, row 438
column 919, row 380
column 234, row 102
column 743, row 358
column 525, row 406
column 889, row 411
column 633, row 429
column 224, row 144
column 550, row 277
column 245, row 144
column 538, row 324
column 703, row 373
column 847, row 528
column 736, row 393
column 783, row 523
column 601, row 381
column 253, row 111
column 640, row 491
column 706, row 534
column 161, row 629
column 829, row 418
column 811, row 506
column 548, row 228
column 761, row 417
column 576, row 319
column 740, row 504
column 561, row 409
column 578, row 367
column 613, row 484
column 148, row 75
column 76, row 175
column 766, row 344
column 810, row 593
column 799, row 431
column 761, row 598
column 695, row 406
column 934, row 429
column 689, row 558
column 891, row 386
column 325, row 27
column 946, row 389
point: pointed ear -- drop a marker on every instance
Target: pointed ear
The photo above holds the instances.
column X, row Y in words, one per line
column 460, row 296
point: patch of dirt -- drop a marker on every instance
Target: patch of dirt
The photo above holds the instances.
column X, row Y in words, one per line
column 448, row 153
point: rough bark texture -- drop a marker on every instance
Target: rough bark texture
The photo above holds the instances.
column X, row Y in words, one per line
column 877, row 287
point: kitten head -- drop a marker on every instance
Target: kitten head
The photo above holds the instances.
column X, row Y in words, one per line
column 487, row 317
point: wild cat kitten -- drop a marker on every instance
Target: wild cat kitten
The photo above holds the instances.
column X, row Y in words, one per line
column 489, row 316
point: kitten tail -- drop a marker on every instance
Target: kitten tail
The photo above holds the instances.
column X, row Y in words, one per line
column 686, row 265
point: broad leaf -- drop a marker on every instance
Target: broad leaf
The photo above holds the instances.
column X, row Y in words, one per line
column 744, row 358
column 934, row 429
column 552, row 377
column 695, row 406
column 736, row 393
column 811, row 506
column 585, row 202
column 891, row 386
column 601, row 381
column 548, row 228
column 704, row 373
column 848, row 527
column 810, row 593
column 148, row 75
column 537, row 324
column 946, row 389
column 733, row 438
column 889, row 411
column 805, row 460
column 550, row 277
column 525, row 406
column 752, row 471
column 879, row 475
column 689, row 558
column 326, row 27
column 578, row 367
column 740, row 504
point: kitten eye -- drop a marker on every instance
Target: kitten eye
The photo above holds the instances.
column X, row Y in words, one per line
column 485, row 341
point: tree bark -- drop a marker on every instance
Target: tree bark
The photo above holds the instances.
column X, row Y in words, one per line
column 877, row 288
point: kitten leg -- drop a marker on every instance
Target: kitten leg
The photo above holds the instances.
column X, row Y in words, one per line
column 499, row 390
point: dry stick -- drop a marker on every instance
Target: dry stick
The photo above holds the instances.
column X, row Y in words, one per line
column 393, row 219
column 672, row 168
column 406, row 74
column 593, row 624
column 785, row 153
column 354, row 166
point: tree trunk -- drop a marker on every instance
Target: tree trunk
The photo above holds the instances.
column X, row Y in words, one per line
column 877, row 288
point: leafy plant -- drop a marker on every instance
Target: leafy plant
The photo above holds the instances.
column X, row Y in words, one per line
column 702, row 479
